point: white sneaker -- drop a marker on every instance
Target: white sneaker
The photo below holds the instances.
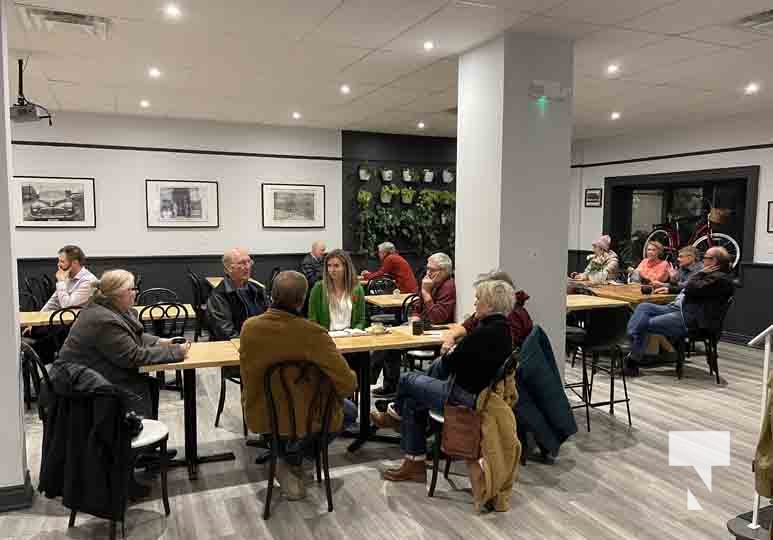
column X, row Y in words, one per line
column 290, row 481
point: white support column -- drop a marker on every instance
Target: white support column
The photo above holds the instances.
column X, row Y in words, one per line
column 513, row 162
column 15, row 488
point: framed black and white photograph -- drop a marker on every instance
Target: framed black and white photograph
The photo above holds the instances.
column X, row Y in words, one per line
column 293, row 206
column 770, row 216
column 53, row 201
column 593, row 197
column 181, row 204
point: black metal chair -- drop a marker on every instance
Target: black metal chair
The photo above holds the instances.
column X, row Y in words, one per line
column 270, row 284
column 59, row 323
column 413, row 356
column 34, row 372
column 377, row 286
column 155, row 296
column 437, row 421
column 201, row 291
column 37, row 289
column 293, row 374
column 380, row 285
column 166, row 320
column 48, row 285
column 28, row 302
column 710, row 340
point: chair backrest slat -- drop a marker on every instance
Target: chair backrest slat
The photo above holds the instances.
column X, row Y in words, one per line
column 156, row 295
column 164, row 319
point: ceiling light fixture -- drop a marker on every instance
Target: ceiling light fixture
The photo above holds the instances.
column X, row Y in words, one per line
column 615, row 115
column 154, row 73
column 345, row 89
column 144, row 103
column 613, row 69
column 172, row 11
column 297, row 115
column 751, row 88
column 429, row 45
column 421, row 125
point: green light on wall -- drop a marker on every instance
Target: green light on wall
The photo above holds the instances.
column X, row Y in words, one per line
column 542, row 104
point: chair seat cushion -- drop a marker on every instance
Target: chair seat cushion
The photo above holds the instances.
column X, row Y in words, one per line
column 152, row 432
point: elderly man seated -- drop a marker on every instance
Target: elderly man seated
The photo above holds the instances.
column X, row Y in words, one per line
column 698, row 307
column 688, row 267
column 281, row 334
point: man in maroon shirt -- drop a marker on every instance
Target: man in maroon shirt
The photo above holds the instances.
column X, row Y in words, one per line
column 394, row 265
column 437, row 303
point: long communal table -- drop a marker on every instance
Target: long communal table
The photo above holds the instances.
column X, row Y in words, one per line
column 41, row 318
column 630, row 293
column 226, row 353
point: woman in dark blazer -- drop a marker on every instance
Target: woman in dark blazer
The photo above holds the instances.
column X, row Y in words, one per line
column 109, row 338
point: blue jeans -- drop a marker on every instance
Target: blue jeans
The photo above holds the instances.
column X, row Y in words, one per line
column 439, row 369
column 648, row 319
column 417, row 394
column 295, row 452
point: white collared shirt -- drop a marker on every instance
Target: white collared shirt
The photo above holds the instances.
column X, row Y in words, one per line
column 340, row 313
column 73, row 292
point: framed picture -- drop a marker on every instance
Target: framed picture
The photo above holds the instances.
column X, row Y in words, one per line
column 593, row 197
column 293, row 206
column 770, row 216
column 171, row 204
column 53, row 201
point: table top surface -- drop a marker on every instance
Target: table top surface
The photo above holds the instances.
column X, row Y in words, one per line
column 630, row 293
column 387, row 300
column 216, row 280
column 202, row 354
column 583, row 302
column 40, row 318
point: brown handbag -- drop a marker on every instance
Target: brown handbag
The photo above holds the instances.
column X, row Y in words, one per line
column 462, row 430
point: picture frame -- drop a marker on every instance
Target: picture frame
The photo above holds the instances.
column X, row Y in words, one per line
column 53, row 202
column 182, row 204
column 293, row 206
column 593, row 198
column 770, row 216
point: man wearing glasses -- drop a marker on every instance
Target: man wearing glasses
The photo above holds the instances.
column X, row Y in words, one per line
column 236, row 298
column 698, row 307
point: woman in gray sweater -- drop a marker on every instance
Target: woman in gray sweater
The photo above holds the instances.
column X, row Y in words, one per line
column 109, row 338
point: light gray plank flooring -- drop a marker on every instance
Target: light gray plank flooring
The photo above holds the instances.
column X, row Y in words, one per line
column 611, row 483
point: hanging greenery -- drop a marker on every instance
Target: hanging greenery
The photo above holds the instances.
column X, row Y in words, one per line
column 387, row 192
column 407, row 194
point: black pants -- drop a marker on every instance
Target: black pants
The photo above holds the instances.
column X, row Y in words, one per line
column 389, row 361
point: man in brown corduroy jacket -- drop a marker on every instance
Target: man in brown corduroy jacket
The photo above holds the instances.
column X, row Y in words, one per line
column 281, row 334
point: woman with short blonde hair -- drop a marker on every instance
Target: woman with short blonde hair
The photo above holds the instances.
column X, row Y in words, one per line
column 652, row 268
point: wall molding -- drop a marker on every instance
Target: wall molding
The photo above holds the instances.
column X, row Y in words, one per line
column 17, row 497
column 675, row 156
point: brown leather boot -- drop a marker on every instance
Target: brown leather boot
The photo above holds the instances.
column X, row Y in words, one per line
column 410, row 471
column 384, row 420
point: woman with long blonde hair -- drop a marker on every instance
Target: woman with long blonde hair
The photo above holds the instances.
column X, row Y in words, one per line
column 337, row 301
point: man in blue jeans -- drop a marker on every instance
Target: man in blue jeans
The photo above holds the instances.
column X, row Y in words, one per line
column 699, row 306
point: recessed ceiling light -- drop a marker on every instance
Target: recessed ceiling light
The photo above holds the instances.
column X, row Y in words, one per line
column 751, row 88
column 613, row 69
column 144, row 103
column 429, row 45
column 297, row 115
column 172, row 11
column 421, row 125
column 345, row 89
column 154, row 73
column 615, row 115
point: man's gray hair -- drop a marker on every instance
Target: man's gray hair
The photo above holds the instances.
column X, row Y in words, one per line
column 722, row 257
column 497, row 294
column 288, row 290
column 443, row 261
column 495, row 275
column 387, row 247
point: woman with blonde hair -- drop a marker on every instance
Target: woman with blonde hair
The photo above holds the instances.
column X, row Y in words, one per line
column 652, row 267
column 337, row 301
column 108, row 337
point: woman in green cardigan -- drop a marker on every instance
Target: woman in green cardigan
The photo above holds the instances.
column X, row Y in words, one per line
column 337, row 301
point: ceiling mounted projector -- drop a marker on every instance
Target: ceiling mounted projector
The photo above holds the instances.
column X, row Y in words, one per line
column 24, row 110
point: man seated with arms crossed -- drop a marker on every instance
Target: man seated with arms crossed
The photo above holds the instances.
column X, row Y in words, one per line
column 311, row 266
column 74, row 283
column 395, row 265
column 698, row 306
column 688, row 267
column 436, row 304
column 281, row 334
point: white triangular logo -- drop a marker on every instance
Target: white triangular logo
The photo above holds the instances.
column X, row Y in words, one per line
column 692, row 503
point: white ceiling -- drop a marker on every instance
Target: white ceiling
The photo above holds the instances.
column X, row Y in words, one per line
column 260, row 60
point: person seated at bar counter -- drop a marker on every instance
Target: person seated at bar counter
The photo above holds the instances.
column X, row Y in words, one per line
column 474, row 362
column 688, row 267
column 652, row 268
column 603, row 263
column 395, row 265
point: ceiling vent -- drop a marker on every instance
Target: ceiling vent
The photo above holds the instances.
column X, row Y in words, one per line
column 761, row 22
column 46, row 20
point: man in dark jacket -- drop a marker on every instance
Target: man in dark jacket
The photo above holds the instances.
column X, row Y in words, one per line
column 689, row 265
column 311, row 266
column 698, row 307
column 236, row 299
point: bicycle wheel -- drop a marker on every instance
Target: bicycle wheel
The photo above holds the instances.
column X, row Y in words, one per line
column 663, row 237
column 702, row 244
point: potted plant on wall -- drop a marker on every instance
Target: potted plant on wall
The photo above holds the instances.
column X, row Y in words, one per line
column 407, row 194
column 364, row 173
column 363, row 198
column 387, row 192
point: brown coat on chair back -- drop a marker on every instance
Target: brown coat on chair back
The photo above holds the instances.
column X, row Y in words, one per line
column 278, row 336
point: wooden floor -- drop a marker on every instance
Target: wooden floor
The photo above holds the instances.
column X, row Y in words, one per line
column 613, row 482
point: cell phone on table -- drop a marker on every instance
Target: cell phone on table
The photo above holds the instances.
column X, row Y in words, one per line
column 179, row 341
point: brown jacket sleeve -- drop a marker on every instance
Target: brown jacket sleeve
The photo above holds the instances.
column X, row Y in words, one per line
column 324, row 351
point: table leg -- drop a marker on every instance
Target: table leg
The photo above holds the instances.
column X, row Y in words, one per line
column 192, row 458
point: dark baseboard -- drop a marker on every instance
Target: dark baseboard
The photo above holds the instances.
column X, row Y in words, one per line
column 17, row 497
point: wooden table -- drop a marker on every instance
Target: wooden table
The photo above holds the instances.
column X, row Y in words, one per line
column 630, row 293
column 40, row 318
column 583, row 302
column 215, row 354
column 216, row 280
column 386, row 301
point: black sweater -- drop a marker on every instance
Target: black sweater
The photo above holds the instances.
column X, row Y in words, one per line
column 476, row 358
